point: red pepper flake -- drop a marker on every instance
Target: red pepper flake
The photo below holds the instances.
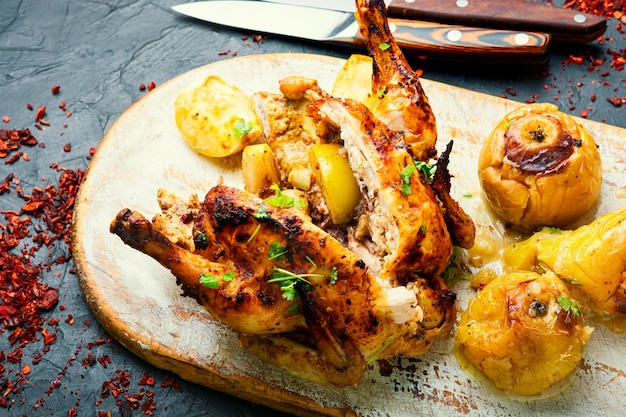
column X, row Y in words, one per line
column 41, row 111
column 63, row 106
column 512, row 91
column 56, row 89
column 142, row 87
column 224, row 52
column 29, row 106
column 6, row 119
column 584, row 114
column 617, row 101
column 151, row 86
column 67, row 147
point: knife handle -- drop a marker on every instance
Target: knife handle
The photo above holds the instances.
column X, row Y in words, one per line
column 564, row 25
column 452, row 42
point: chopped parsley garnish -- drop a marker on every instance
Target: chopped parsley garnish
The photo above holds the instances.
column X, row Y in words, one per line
column 405, row 176
column 569, row 305
column 379, row 351
column 382, row 92
column 211, row 281
column 256, row 230
column 277, row 251
column 261, row 213
column 553, row 230
column 468, row 195
column 333, row 275
column 288, row 280
column 423, row 229
column 384, row 46
column 241, row 128
column 282, row 200
column 427, row 170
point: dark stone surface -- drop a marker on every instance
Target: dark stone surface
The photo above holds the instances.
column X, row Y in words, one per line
column 99, row 52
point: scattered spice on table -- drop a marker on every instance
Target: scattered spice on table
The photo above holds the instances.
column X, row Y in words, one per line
column 35, row 244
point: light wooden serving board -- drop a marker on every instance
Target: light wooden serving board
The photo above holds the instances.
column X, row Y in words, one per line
column 138, row 302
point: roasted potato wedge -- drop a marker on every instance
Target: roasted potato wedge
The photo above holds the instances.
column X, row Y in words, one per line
column 216, row 119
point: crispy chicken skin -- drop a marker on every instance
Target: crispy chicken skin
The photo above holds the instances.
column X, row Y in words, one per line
column 406, row 225
column 355, row 315
column 402, row 105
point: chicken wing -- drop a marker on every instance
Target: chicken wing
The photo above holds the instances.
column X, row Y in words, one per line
column 402, row 104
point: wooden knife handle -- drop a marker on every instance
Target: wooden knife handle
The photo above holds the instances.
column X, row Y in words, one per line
column 462, row 43
column 563, row 24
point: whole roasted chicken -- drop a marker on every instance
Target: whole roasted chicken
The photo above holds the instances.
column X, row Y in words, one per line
column 311, row 304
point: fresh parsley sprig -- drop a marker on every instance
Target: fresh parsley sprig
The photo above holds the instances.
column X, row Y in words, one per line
column 281, row 200
column 288, row 280
column 569, row 305
column 213, row 282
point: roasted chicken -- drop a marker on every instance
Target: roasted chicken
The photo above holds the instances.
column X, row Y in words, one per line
column 314, row 305
column 249, row 255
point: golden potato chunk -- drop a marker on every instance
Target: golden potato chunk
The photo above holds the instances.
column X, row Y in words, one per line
column 523, row 332
column 539, row 167
column 216, row 119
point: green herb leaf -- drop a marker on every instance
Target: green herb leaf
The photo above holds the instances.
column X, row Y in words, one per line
column 333, row 275
column 261, row 213
column 288, row 280
column 228, row 276
column 256, row 230
column 569, row 305
column 382, row 92
column 384, row 46
column 281, row 200
column 241, row 128
column 209, row 281
column 467, row 195
column 276, row 251
column 423, row 229
column 405, row 176
column 553, row 230
column 427, row 170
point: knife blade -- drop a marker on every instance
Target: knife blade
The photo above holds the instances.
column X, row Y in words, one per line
column 425, row 39
column 564, row 25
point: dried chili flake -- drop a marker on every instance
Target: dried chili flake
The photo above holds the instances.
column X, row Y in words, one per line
column 41, row 111
column 55, row 89
column 151, row 86
column 6, row 119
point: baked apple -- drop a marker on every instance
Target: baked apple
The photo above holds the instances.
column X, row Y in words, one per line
column 539, row 167
column 523, row 332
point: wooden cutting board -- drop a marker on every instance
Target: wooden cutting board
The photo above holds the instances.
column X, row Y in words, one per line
column 137, row 301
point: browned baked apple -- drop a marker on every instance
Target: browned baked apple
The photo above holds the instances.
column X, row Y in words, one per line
column 523, row 332
column 539, row 167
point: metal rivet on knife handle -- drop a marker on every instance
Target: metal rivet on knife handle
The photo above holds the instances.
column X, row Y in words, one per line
column 580, row 18
column 522, row 39
column 460, row 3
column 454, row 35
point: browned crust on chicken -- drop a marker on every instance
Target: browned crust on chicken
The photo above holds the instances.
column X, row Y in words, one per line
column 402, row 104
